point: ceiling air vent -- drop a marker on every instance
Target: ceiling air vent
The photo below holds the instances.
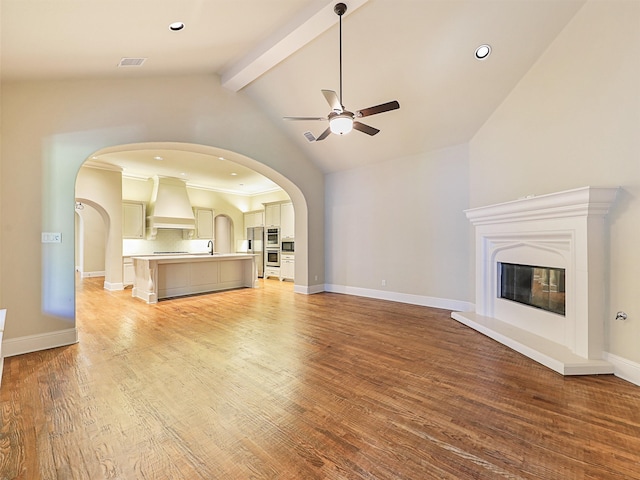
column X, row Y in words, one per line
column 131, row 62
column 309, row 136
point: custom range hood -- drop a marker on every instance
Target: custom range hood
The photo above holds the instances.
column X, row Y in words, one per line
column 169, row 206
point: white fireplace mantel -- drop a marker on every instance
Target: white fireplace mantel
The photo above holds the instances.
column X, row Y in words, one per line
column 564, row 230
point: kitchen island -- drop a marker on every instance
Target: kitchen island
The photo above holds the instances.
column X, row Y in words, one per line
column 166, row 276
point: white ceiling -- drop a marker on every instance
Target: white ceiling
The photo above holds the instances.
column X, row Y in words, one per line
column 419, row 52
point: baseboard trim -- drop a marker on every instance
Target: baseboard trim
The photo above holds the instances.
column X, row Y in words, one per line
column 422, row 300
column 113, row 287
column 308, row 289
column 92, row 274
column 624, row 368
column 42, row 341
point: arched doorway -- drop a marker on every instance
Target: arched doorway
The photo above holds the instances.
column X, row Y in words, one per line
column 91, row 240
column 223, row 231
column 112, row 205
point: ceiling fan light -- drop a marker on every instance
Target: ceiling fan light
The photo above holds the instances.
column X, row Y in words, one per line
column 341, row 124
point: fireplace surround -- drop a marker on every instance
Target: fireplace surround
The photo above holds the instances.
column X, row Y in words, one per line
column 563, row 231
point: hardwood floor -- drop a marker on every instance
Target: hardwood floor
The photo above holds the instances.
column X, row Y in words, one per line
column 268, row 384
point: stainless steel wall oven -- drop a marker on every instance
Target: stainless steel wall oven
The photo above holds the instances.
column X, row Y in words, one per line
column 272, row 257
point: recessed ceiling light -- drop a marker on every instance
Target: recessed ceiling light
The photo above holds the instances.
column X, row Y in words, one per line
column 483, row 51
column 158, row 158
column 176, row 26
column 221, row 158
column 234, row 174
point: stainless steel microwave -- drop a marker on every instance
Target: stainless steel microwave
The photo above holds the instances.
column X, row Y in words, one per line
column 287, row 246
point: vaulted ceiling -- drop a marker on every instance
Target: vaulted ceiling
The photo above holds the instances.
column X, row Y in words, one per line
column 283, row 52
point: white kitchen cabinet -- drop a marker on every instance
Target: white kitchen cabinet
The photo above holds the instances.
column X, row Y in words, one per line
column 287, row 230
column 254, row 219
column 271, row 272
column 133, row 219
column 128, row 273
column 287, row 267
column 272, row 215
column 204, row 223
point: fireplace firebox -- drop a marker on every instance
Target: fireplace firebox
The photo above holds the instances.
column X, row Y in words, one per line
column 535, row 286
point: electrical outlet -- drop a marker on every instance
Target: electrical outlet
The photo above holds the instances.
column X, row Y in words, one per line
column 384, row 283
column 316, row 278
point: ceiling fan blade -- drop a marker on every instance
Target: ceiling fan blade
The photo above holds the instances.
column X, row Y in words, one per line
column 365, row 128
column 384, row 107
column 333, row 100
column 304, row 118
column 324, row 135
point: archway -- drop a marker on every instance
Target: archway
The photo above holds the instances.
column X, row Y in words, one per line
column 112, row 201
column 223, row 232
column 91, row 239
column 82, row 118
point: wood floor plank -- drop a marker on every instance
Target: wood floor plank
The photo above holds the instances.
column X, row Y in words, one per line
column 268, row 384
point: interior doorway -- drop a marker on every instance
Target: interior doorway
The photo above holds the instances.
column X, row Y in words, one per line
column 223, row 233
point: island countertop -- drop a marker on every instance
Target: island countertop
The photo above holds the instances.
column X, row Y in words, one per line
column 165, row 276
column 173, row 257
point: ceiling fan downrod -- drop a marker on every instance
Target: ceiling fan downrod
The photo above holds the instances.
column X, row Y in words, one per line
column 340, row 10
column 342, row 121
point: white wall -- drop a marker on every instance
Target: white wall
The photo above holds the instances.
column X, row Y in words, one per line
column 401, row 221
column 573, row 121
column 50, row 128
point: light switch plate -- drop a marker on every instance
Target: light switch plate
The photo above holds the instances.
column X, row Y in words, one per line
column 51, row 237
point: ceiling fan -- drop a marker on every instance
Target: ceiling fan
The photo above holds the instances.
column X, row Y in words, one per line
column 342, row 121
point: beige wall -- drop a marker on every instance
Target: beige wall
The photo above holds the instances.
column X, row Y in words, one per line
column 401, row 221
column 50, row 128
column 101, row 191
column 573, row 121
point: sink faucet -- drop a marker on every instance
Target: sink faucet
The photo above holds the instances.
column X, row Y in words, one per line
column 210, row 245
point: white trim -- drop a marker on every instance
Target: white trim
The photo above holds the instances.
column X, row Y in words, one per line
column 579, row 202
column 42, row 341
column 434, row 302
column 93, row 274
column 308, row 289
column 624, row 368
column 112, row 287
column 3, row 315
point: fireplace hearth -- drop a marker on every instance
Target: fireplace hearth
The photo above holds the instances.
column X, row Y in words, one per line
column 540, row 269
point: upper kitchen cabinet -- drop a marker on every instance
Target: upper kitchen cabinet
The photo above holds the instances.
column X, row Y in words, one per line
column 272, row 215
column 204, row 223
column 133, row 219
column 254, row 219
column 287, row 230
